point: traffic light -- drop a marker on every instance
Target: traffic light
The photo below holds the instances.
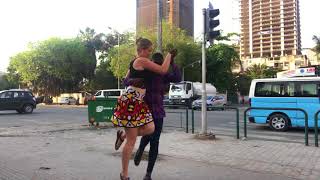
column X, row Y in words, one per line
column 212, row 23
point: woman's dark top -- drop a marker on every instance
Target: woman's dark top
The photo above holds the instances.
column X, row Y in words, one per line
column 141, row 75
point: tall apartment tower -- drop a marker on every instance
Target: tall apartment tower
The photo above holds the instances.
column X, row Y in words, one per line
column 177, row 12
column 270, row 28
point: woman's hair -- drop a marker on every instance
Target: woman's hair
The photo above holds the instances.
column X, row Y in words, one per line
column 143, row 43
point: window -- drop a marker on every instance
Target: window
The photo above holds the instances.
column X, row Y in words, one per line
column 6, row 95
column 2, row 95
column 177, row 87
column 308, row 89
column 15, row 95
column 114, row 93
column 98, row 93
column 274, row 89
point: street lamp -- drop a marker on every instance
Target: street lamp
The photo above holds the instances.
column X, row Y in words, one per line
column 118, row 34
column 191, row 64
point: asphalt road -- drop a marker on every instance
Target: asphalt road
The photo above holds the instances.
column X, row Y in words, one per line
column 219, row 122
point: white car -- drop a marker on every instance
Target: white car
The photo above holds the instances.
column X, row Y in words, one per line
column 112, row 93
column 67, row 100
column 213, row 102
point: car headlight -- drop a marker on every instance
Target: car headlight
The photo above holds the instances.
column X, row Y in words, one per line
column 183, row 100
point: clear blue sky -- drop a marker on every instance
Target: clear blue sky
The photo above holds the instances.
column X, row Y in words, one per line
column 24, row 21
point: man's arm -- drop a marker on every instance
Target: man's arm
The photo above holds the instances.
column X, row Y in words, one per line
column 126, row 79
column 174, row 76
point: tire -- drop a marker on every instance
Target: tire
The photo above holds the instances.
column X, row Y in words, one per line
column 279, row 122
column 28, row 108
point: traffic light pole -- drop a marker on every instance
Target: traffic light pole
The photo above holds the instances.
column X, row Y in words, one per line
column 159, row 14
column 204, row 91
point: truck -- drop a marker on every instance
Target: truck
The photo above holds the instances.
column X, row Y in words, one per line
column 185, row 92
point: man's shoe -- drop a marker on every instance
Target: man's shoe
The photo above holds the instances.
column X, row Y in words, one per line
column 137, row 157
column 147, row 177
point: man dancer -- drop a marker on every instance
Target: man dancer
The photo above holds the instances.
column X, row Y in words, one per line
column 155, row 89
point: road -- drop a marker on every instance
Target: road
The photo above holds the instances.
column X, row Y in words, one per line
column 219, row 122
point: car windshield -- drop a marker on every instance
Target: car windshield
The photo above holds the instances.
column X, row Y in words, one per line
column 177, row 87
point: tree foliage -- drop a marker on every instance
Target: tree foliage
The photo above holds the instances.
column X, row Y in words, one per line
column 54, row 66
column 220, row 60
column 316, row 39
column 258, row 71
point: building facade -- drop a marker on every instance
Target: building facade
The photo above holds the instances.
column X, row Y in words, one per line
column 177, row 12
column 270, row 30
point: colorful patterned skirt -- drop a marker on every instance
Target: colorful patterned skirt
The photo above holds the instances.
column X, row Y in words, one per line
column 131, row 111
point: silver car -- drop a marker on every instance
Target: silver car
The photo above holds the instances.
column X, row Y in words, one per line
column 213, row 102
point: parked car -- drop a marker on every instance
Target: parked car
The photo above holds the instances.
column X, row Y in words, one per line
column 22, row 101
column 113, row 93
column 67, row 100
column 166, row 100
column 213, row 102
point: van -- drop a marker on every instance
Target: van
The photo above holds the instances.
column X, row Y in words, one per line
column 302, row 93
column 112, row 93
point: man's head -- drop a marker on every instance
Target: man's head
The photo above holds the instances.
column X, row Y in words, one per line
column 157, row 58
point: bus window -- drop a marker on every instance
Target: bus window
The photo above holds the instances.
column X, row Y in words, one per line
column 290, row 90
column 308, row 89
column 269, row 89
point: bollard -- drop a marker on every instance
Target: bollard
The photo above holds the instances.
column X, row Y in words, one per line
column 316, row 129
column 192, row 121
column 187, row 120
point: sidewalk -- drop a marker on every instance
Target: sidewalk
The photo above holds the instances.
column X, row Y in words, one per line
column 72, row 151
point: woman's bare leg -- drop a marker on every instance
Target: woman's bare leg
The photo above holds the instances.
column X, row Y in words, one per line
column 131, row 136
column 146, row 129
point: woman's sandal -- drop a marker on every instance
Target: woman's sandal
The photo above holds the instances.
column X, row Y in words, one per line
column 119, row 140
column 123, row 178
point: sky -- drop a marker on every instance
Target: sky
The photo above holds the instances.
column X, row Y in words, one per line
column 24, row 21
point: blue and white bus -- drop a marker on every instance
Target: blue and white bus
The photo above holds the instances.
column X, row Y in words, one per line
column 300, row 92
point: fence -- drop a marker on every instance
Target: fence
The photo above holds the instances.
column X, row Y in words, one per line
column 306, row 129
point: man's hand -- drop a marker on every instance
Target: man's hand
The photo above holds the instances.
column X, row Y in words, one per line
column 173, row 53
column 136, row 82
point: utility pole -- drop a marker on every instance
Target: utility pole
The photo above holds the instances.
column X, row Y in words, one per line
column 204, row 91
column 159, row 14
column 209, row 34
column 118, row 58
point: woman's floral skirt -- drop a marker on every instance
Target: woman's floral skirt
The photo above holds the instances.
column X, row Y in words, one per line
column 131, row 111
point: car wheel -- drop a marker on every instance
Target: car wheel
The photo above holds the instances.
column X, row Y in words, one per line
column 28, row 108
column 19, row 111
column 279, row 122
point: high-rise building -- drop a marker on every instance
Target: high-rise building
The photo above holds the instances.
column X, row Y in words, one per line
column 177, row 12
column 270, row 29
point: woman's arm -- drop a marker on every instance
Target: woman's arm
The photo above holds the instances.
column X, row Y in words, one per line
column 146, row 63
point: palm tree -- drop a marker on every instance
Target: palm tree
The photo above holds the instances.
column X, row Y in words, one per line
column 258, row 71
column 317, row 47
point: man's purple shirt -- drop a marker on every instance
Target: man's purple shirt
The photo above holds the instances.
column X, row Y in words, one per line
column 155, row 90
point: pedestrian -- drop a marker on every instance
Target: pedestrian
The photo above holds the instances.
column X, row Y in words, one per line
column 156, row 88
column 131, row 111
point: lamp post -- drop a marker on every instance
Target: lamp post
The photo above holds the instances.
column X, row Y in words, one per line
column 191, row 64
column 118, row 34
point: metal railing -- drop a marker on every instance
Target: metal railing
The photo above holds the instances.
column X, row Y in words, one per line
column 218, row 108
column 186, row 111
column 306, row 129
